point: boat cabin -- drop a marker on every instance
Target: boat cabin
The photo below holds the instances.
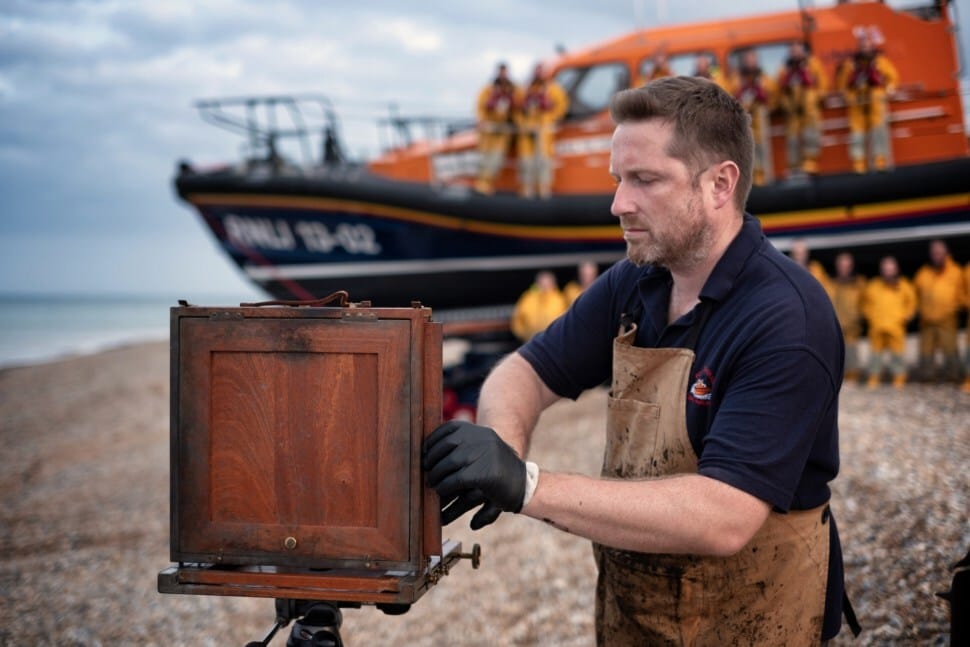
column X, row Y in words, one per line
column 927, row 122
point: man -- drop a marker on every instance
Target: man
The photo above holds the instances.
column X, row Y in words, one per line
column 888, row 303
column 801, row 82
column 941, row 295
column 537, row 307
column 846, row 295
column 710, row 521
column 540, row 107
column 706, row 69
column 755, row 90
column 494, row 111
column 586, row 273
column 800, row 254
column 966, row 362
column 867, row 80
column 653, row 68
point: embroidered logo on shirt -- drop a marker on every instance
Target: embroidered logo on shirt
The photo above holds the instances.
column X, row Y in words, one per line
column 700, row 390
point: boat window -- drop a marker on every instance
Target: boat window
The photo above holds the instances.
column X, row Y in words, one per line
column 771, row 57
column 684, row 64
column 591, row 88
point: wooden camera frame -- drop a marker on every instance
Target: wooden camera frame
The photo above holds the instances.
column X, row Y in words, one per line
column 295, row 453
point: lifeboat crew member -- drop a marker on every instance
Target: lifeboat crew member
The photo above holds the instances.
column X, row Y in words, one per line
column 888, row 303
column 540, row 107
column 706, row 69
column 847, row 289
column 538, row 306
column 966, row 362
column 586, row 273
column 754, row 89
column 801, row 83
column 941, row 295
column 496, row 103
column 711, row 519
column 800, row 254
column 867, row 80
column 655, row 67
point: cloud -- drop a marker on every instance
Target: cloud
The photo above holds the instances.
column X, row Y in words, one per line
column 409, row 35
column 96, row 103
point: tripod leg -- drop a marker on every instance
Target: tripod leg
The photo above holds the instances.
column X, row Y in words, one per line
column 265, row 641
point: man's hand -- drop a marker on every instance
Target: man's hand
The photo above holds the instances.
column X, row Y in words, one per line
column 469, row 465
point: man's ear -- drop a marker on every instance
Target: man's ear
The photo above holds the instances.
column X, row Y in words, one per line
column 725, row 183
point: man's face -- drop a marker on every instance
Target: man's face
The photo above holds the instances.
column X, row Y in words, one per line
column 888, row 268
column 659, row 206
column 844, row 265
column 937, row 253
column 799, row 253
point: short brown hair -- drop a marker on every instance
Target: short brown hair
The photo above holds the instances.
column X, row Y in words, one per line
column 710, row 125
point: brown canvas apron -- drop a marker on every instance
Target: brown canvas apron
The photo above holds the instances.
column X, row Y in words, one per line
column 771, row 593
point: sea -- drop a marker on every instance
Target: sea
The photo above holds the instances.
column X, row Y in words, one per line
column 44, row 328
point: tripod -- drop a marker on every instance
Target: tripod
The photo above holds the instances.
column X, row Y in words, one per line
column 317, row 622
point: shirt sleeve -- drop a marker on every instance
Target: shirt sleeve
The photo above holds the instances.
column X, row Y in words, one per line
column 575, row 352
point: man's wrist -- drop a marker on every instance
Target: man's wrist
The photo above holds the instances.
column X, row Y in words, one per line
column 531, row 482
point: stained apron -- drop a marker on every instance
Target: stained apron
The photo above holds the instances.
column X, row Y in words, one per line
column 772, row 592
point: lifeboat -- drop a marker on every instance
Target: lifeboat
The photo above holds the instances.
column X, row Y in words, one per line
column 408, row 224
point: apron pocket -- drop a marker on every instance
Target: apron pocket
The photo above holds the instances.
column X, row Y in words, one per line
column 631, row 439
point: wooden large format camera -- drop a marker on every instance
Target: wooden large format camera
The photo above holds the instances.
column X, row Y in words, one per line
column 295, row 453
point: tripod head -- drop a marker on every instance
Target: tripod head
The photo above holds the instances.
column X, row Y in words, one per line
column 319, row 627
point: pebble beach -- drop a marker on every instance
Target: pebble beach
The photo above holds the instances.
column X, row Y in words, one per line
column 84, row 522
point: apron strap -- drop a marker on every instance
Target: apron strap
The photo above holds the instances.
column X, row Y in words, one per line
column 849, row 613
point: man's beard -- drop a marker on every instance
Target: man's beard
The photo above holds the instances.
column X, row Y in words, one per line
column 683, row 246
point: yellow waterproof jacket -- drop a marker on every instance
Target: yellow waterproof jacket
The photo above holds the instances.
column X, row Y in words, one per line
column 571, row 291
column 794, row 92
column 818, row 271
column 721, row 79
column 888, row 306
column 535, row 310
column 941, row 292
column 847, row 300
column 496, row 103
column 858, row 81
column 540, row 105
column 756, row 94
column 966, row 285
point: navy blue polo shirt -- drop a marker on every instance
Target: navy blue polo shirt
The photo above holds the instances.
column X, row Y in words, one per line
column 762, row 398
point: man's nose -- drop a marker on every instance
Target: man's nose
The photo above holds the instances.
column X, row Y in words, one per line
column 621, row 203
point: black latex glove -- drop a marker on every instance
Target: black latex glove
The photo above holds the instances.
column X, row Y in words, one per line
column 469, row 465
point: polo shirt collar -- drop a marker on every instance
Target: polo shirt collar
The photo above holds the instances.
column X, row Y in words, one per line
column 729, row 267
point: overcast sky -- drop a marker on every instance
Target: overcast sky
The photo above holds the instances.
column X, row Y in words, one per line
column 96, row 108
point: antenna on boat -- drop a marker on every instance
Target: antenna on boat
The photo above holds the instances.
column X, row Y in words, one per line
column 808, row 22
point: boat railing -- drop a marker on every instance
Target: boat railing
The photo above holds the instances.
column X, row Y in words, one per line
column 397, row 131
column 302, row 125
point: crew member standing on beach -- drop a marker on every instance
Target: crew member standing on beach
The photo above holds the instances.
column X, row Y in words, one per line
column 710, row 521
column 941, row 295
column 888, row 303
column 966, row 361
column 846, row 292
